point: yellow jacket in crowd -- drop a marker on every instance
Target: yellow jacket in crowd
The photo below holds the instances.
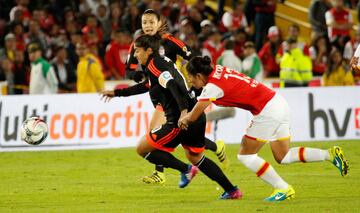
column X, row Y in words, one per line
column 338, row 77
column 90, row 77
column 295, row 68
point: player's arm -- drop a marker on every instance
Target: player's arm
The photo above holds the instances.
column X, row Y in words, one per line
column 210, row 93
column 180, row 47
column 125, row 92
column 192, row 116
column 131, row 65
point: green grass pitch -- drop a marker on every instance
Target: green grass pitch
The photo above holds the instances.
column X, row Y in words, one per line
column 110, row 181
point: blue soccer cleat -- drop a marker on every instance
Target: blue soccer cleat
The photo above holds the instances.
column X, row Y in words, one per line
column 233, row 194
column 186, row 177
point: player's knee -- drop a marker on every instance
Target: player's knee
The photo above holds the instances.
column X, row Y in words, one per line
column 140, row 151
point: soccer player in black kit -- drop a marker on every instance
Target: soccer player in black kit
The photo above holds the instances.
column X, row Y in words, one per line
column 167, row 87
column 152, row 24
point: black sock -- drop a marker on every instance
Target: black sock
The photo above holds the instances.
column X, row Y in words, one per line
column 159, row 168
column 210, row 145
column 166, row 159
column 210, row 169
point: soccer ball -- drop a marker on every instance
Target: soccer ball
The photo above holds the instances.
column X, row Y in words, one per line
column 34, row 131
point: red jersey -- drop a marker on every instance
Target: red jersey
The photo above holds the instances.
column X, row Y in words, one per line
column 116, row 55
column 228, row 87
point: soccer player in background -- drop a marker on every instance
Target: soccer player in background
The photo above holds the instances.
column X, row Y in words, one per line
column 152, row 24
column 271, row 122
column 167, row 86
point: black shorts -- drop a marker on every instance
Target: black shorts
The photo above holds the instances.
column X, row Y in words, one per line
column 168, row 136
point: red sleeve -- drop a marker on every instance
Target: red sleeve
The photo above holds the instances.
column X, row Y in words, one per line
column 306, row 50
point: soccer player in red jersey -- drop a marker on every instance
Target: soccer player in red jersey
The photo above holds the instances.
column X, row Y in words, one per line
column 271, row 122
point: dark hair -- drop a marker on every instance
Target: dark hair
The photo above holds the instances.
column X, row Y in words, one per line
column 148, row 41
column 199, row 64
column 151, row 11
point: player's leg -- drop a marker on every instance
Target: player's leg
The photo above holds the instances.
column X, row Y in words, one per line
column 158, row 176
column 157, row 145
column 249, row 158
column 218, row 148
column 285, row 155
column 213, row 171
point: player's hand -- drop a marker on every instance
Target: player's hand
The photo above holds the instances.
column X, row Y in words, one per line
column 183, row 121
column 107, row 95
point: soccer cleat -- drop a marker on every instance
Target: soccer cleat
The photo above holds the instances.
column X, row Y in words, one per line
column 186, row 177
column 338, row 159
column 220, row 153
column 156, row 178
column 233, row 194
column 281, row 194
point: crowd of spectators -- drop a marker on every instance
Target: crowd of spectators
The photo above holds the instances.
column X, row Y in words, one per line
column 74, row 37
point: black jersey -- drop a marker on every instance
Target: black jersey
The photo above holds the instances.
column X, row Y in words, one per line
column 168, row 87
column 170, row 47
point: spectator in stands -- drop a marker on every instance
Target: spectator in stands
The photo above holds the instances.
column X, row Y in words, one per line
column 21, row 8
column 213, row 47
column 36, row 35
column 65, row 72
column 115, row 16
column 9, row 48
column 195, row 18
column 228, row 57
column 264, row 19
column 21, row 73
column 185, row 28
column 205, row 11
column 8, row 75
column 206, row 28
column 92, row 27
column 19, row 31
column 240, row 38
column 233, row 20
column 116, row 54
column 268, row 52
column 90, row 77
column 339, row 21
column 317, row 12
column 293, row 33
column 295, row 67
column 351, row 46
column 42, row 76
column 338, row 73
column 251, row 64
column 105, row 23
column 71, row 47
column 95, row 4
column 319, row 54
column 131, row 20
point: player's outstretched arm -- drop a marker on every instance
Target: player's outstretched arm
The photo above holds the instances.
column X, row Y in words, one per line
column 192, row 116
column 133, row 90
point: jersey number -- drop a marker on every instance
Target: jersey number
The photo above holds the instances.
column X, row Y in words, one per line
column 247, row 79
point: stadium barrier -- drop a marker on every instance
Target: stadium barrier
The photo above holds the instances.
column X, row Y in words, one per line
column 83, row 121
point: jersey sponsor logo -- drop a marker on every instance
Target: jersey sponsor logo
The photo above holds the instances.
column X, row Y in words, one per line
column 162, row 51
column 164, row 78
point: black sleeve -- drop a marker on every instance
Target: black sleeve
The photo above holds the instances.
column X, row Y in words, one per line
column 178, row 95
column 180, row 48
column 133, row 90
column 131, row 64
column 175, row 84
column 259, row 3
